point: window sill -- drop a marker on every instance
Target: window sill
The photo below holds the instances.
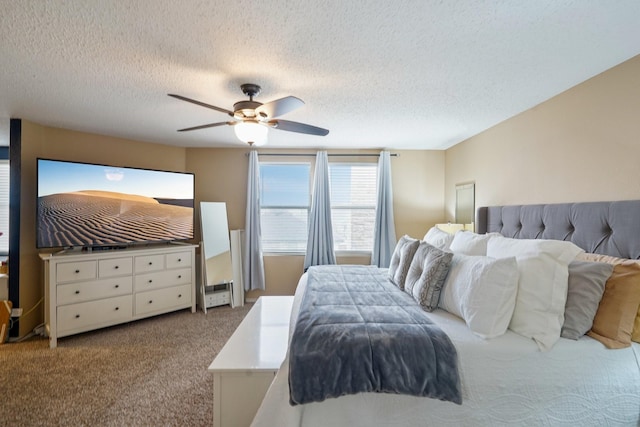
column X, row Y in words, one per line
column 344, row 253
column 338, row 254
column 283, row 253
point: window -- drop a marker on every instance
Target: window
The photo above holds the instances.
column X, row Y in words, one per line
column 285, row 201
column 4, row 206
column 284, row 206
column 353, row 205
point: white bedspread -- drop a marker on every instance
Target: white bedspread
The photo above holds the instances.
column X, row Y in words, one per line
column 505, row 381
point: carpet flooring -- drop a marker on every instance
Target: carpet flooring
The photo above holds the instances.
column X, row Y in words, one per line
column 151, row 372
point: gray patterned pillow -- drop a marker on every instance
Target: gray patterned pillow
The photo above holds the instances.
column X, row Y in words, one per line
column 401, row 259
column 426, row 275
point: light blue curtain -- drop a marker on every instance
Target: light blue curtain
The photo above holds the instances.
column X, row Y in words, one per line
column 384, row 240
column 320, row 238
column 253, row 262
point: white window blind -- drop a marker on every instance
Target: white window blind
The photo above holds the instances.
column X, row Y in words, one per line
column 4, row 206
column 353, row 205
column 284, row 206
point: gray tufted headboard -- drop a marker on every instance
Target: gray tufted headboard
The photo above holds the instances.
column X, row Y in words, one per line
column 610, row 228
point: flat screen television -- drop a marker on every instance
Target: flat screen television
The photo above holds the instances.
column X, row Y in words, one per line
column 99, row 206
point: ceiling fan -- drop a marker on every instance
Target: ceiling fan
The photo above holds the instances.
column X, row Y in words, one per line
column 253, row 119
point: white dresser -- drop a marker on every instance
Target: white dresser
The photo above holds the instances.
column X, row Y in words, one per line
column 91, row 290
column 248, row 362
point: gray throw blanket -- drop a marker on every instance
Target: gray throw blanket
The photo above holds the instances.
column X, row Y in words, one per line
column 357, row 332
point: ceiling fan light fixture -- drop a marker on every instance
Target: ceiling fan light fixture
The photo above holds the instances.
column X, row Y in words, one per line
column 251, row 132
column 253, row 119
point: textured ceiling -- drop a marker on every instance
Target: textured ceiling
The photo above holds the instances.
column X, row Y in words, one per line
column 412, row 74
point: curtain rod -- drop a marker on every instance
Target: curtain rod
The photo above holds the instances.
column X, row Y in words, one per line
column 330, row 155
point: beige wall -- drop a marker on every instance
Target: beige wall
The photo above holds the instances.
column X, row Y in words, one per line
column 42, row 141
column 418, row 187
column 582, row 145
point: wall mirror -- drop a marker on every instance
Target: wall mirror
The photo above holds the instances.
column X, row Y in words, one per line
column 465, row 203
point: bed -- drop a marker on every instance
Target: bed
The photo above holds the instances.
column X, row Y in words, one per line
column 509, row 378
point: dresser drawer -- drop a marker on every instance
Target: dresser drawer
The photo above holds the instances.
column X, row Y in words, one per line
column 162, row 279
column 149, row 263
column 215, row 299
column 160, row 300
column 94, row 314
column 115, row 267
column 76, row 271
column 72, row 293
column 178, row 259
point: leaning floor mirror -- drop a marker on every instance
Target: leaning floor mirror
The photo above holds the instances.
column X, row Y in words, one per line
column 216, row 268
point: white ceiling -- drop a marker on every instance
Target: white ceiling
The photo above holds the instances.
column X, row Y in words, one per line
column 412, row 74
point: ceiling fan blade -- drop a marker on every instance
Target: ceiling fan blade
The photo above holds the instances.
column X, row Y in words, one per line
column 210, row 125
column 298, row 127
column 279, row 107
column 202, row 104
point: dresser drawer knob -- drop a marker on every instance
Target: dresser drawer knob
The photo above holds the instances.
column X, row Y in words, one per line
column 77, row 271
column 179, row 276
column 77, row 316
column 116, row 267
column 77, row 292
column 150, row 301
column 179, row 259
column 117, row 308
column 179, row 295
column 150, row 281
column 150, row 263
column 117, row 286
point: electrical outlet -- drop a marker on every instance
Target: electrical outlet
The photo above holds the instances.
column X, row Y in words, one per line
column 16, row 312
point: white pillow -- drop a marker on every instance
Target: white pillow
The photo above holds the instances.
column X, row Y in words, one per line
column 542, row 285
column 469, row 243
column 438, row 238
column 482, row 291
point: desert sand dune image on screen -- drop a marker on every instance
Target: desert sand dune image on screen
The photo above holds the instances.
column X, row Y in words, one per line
column 99, row 218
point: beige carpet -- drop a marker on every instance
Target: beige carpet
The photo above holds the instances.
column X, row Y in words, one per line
column 152, row 372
